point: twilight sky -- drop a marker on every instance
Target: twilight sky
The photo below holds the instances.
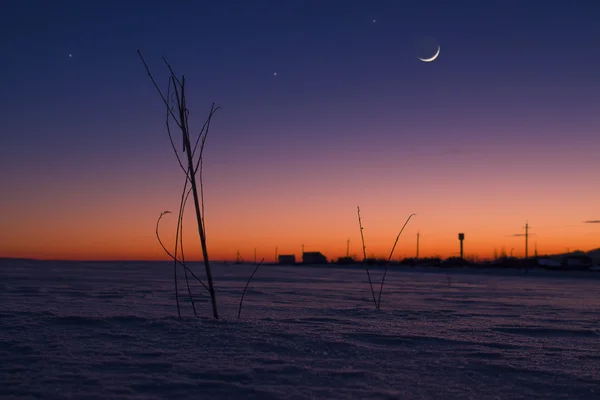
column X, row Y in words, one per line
column 324, row 107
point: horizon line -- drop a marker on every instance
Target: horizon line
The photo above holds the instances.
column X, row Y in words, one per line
column 266, row 262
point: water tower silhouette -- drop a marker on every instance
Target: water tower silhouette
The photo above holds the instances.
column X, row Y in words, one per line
column 461, row 237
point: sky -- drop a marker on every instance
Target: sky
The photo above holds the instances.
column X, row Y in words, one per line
column 324, row 107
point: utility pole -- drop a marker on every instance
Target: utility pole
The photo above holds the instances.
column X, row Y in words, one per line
column 526, row 239
column 348, row 248
column 255, row 255
column 418, row 235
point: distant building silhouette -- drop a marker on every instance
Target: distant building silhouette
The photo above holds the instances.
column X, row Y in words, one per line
column 286, row 259
column 313, row 257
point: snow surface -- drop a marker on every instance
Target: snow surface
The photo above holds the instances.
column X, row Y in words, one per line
column 109, row 331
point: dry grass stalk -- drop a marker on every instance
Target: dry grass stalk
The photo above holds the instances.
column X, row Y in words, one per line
column 362, row 237
column 390, row 259
column 178, row 111
column 246, row 287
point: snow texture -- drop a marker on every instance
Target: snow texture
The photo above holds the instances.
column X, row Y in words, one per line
column 109, row 330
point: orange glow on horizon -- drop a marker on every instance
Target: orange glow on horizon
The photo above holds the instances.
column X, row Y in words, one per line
column 138, row 242
column 116, row 219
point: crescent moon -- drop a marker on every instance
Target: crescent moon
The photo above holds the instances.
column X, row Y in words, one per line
column 437, row 53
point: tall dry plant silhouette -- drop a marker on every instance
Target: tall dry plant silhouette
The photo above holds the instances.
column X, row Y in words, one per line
column 377, row 300
column 390, row 259
column 177, row 112
column 364, row 249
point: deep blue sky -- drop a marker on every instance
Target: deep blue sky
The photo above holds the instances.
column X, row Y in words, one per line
column 517, row 82
column 329, row 57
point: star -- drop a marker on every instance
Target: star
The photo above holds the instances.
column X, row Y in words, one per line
column 374, row 20
column 274, row 73
column 70, row 55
